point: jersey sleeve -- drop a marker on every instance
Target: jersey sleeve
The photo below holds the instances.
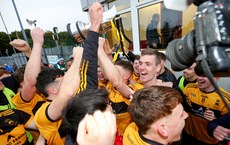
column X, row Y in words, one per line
column 88, row 70
column 25, row 118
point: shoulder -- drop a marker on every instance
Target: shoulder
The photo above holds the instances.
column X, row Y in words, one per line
column 192, row 85
column 225, row 94
column 130, row 132
column 138, row 87
column 180, row 77
column 42, row 111
column 131, row 135
column 41, row 118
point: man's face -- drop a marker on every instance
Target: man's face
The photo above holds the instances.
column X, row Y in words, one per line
column 136, row 67
column 56, row 85
column 189, row 72
column 100, row 75
column 175, row 123
column 124, row 74
column 204, row 84
column 148, row 69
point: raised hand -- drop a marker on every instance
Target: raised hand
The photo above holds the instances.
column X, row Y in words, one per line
column 97, row 129
column 95, row 13
column 21, row 45
column 37, row 35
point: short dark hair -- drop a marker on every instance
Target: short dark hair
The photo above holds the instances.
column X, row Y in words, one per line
column 46, row 77
column 162, row 56
column 151, row 104
column 126, row 65
column 137, row 57
column 86, row 102
column 19, row 74
column 154, row 52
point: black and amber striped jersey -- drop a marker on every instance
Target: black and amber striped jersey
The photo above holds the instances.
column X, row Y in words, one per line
column 120, row 106
column 29, row 107
column 133, row 137
column 51, row 130
column 196, row 104
column 12, row 126
column 88, row 72
column 102, row 83
column 138, row 87
column 135, row 78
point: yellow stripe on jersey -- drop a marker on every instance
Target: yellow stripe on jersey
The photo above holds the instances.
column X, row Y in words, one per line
column 83, row 76
column 225, row 94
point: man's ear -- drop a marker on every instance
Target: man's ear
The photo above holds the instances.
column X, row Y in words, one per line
column 162, row 130
column 51, row 90
column 21, row 84
column 158, row 69
column 127, row 75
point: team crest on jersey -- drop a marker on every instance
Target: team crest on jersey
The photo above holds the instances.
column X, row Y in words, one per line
column 200, row 111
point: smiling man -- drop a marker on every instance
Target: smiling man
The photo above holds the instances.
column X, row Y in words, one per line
column 149, row 68
column 203, row 105
column 158, row 115
column 189, row 76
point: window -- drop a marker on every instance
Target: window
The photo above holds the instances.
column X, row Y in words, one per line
column 120, row 4
column 159, row 25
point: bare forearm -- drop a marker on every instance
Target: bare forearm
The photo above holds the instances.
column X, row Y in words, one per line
column 68, row 87
column 33, row 66
column 71, row 79
column 109, row 68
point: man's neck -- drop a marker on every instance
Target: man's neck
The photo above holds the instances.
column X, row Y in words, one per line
column 150, row 83
column 208, row 90
column 50, row 97
column 154, row 139
column 125, row 81
column 191, row 79
column 137, row 74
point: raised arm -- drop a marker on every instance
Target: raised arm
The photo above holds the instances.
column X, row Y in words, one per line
column 97, row 129
column 68, row 87
column 21, row 45
column 33, row 66
column 111, row 71
column 90, row 59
